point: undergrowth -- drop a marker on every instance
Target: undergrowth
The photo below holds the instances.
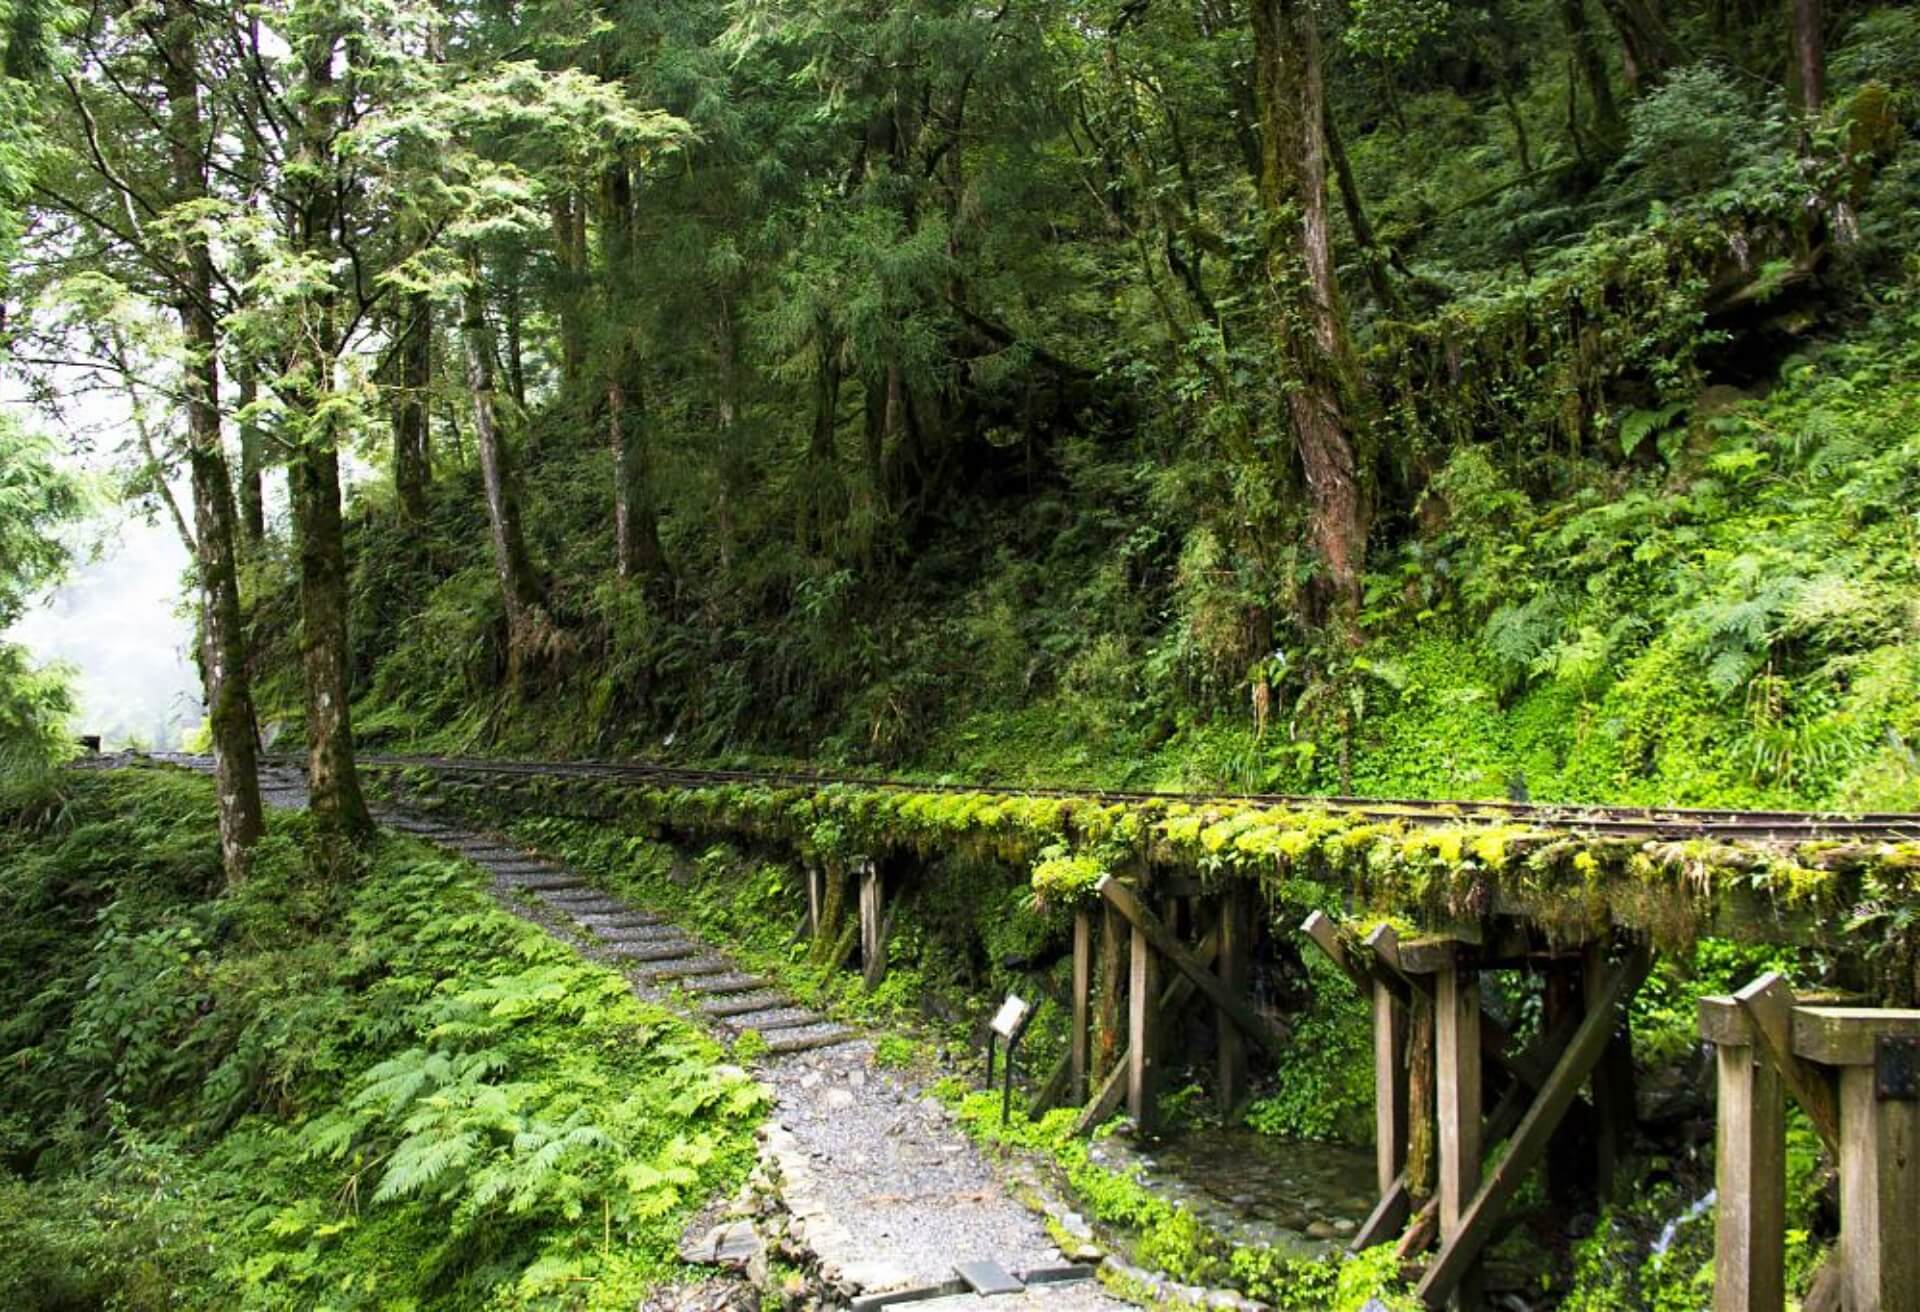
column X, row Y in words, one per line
column 315, row 1092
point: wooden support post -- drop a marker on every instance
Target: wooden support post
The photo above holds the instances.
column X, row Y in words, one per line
column 1143, row 1007
column 1113, row 1087
column 816, row 896
column 1456, row 1001
column 1080, row 1039
column 1613, row 1081
column 1111, row 982
column 873, row 937
column 1236, row 968
column 1389, row 1088
column 1453, row 1267
column 1750, row 1167
column 1879, row 1148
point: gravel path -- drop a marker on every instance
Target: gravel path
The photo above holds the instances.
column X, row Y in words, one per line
column 876, row 1185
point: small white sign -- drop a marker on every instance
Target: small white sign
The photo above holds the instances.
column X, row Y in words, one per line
column 1008, row 1018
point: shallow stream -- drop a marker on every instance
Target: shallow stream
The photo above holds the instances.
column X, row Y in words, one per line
column 1254, row 1189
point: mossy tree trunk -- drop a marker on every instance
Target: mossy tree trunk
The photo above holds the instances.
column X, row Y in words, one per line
column 412, row 442
column 513, row 568
column 334, row 796
column 223, row 651
column 1320, row 371
column 637, row 553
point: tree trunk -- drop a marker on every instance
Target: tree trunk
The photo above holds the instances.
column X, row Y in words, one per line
column 224, row 651
column 636, row 525
column 519, row 590
column 569, row 241
column 1807, row 74
column 636, row 528
column 412, row 445
column 334, row 798
column 1607, row 126
column 1321, row 373
column 1647, row 47
column 333, row 782
column 253, row 504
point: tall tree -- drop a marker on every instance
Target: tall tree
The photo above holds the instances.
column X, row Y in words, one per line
column 1320, row 374
column 317, row 182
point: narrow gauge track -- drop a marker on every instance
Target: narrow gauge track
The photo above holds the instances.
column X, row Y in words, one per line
column 1647, row 823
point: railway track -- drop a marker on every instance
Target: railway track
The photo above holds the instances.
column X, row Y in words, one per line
column 1645, row 823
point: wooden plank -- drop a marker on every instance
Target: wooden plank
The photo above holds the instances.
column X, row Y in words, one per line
column 1769, row 1007
column 873, row 938
column 1147, row 926
column 1750, row 1177
column 1143, row 1023
column 1386, row 1218
column 1456, row 1014
column 1080, row 1039
column 816, row 894
column 1879, row 1196
column 1232, row 921
column 1476, row 1223
column 1054, row 1088
column 1845, row 1036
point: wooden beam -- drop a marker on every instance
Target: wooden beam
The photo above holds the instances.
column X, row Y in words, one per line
column 1750, row 1176
column 1319, row 927
column 1847, row 1036
column 1456, row 1003
column 1111, row 981
column 1768, row 1004
column 1477, row 1222
column 816, row 895
column 1233, row 921
column 1143, row 1024
column 1080, row 1039
column 1147, row 927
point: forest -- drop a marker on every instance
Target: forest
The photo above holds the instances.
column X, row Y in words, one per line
column 1485, row 400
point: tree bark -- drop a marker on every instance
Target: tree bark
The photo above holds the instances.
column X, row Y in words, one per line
column 636, row 527
column 224, row 653
column 335, row 800
column 1606, row 124
column 1806, row 77
column 1646, row 46
column 569, row 242
column 519, row 589
column 253, row 505
column 412, row 444
column 1321, row 374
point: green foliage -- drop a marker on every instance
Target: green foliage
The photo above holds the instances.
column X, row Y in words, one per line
column 385, row 1089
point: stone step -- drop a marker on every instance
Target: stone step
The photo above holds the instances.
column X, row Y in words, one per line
column 775, row 1018
column 691, row 969
column 806, row 1040
column 741, row 1004
column 679, row 950
column 622, row 920
column 553, row 883
column 590, row 901
column 713, row 985
column 630, row 933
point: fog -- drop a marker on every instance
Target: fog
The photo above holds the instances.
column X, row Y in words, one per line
column 118, row 622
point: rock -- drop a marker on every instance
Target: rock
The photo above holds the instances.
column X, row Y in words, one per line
column 1344, row 1226
column 1320, row 1230
column 810, row 1080
column 857, row 1078
column 735, row 1245
column 839, row 1099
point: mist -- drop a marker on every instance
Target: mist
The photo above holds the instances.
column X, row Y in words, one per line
column 118, row 623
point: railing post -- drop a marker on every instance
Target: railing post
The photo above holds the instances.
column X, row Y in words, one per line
column 1080, row 1040
column 1750, row 1166
column 1877, row 1053
column 1143, row 1005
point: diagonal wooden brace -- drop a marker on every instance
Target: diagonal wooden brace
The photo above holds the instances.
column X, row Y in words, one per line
column 1482, row 1214
column 1242, row 1013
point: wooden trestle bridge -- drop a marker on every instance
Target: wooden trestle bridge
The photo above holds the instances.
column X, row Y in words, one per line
column 1452, row 1083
